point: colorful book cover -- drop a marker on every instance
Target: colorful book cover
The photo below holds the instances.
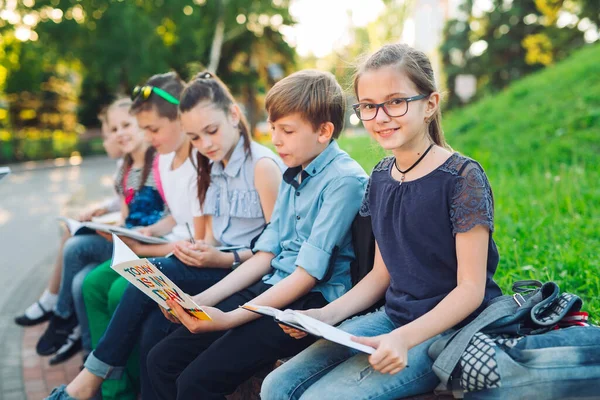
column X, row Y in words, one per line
column 149, row 279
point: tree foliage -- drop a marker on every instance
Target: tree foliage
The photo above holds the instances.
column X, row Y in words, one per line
column 120, row 43
column 512, row 39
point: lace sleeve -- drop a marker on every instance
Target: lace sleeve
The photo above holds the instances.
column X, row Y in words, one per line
column 364, row 209
column 472, row 201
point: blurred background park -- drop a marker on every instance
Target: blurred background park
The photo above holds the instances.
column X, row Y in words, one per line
column 521, row 84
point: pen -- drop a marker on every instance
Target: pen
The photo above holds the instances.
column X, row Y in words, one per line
column 192, row 241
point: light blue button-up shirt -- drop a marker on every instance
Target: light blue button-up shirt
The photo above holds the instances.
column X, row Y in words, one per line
column 310, row 225
column 232, row 199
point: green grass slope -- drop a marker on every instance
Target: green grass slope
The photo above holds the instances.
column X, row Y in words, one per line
column 539, row 142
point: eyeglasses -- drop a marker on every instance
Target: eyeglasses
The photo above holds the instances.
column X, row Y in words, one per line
column 146, row 90
column 393, row 108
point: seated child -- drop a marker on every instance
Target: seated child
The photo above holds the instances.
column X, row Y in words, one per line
column 142, row 205
column 432, row 216
column 302, row 258
column 238, row 181
column 41, row 310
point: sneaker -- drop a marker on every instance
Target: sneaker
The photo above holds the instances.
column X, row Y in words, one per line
column 60, row 393
column 69, row 349
column 24, row 320
column 56, row 335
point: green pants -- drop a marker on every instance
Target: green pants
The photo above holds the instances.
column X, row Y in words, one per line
column 102, row 292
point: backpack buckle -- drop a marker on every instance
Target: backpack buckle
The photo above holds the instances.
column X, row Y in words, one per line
column 519, row 299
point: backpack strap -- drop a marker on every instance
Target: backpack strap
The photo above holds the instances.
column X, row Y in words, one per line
column 447, row 350
column 157, row 178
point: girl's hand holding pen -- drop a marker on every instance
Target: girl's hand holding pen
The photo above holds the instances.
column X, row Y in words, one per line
column 200, row 254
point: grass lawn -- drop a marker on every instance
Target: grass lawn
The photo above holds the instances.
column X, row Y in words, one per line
column 539, row 142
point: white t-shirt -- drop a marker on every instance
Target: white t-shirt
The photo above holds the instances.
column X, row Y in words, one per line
column 180, row 189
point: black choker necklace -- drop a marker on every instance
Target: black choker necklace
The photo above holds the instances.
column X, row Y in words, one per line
column 412, row 166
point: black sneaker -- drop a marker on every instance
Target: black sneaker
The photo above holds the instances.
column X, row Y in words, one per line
column 24, row 320
column 69, row 349
column 56, row 334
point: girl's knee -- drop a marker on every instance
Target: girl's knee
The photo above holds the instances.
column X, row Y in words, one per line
column 115, row 293
column 77, row 285
column 279, row 385
column 90, row 283
column 271, row 388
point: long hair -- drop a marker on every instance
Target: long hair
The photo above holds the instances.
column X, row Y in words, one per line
column 207, row 87
column 417, row 67
column 124, row 102
column 171, row 83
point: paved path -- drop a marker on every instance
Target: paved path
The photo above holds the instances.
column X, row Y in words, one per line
column 30, row 201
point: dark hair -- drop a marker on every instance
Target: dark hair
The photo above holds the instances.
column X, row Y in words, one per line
column 127, row 160
column 417, row 67
column 171, row 83
column 208, row 87
column 315, row 95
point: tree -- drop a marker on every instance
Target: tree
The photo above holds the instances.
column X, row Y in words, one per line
column 121, row 43
column 510, row 39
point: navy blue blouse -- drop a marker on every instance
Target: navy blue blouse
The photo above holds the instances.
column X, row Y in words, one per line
column 415, row 224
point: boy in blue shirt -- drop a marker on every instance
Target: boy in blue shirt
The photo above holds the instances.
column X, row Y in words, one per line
column 302, row 259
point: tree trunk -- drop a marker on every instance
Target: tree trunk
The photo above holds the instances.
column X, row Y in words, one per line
column 217, row 43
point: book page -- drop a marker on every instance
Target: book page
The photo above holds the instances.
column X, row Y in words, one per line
column 310, row 325
column 72, row 225
column 326, row 331
column 109, row 219
column 121, row 252
column 263, row 310
column 133, row 234
column 149, row 279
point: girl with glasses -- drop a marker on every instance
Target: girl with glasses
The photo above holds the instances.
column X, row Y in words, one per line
column 432, row 214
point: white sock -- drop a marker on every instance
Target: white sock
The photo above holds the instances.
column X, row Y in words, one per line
column 47, row 300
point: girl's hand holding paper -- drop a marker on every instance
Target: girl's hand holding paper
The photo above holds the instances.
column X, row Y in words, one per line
column 391, row 355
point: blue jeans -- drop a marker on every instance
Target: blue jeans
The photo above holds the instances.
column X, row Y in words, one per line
column 77, row 293
column 79, row 252
column 139, row 319
column 327, row 370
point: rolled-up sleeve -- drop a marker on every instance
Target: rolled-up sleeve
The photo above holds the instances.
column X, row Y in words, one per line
column 270, row 240
column 341, row 200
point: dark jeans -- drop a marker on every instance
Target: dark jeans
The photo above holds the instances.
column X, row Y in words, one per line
column 211, row 365
column 138, row 319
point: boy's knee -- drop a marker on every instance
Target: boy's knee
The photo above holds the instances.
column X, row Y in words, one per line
column 155, row 363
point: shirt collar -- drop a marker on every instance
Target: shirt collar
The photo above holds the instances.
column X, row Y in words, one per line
column 237, row 159
column 315, row 167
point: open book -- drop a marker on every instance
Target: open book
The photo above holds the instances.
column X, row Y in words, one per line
column 113, row 218
column 310, row 325
column 145, row 276
column 4, row 171
column 79, row 228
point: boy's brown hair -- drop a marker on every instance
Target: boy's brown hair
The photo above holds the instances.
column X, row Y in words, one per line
column 171, row 83
column 315, row 95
